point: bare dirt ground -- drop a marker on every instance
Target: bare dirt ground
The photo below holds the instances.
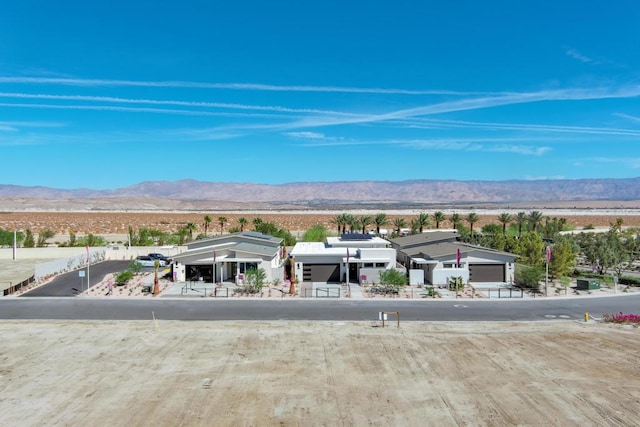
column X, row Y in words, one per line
column 102, row 223
column 320, row 373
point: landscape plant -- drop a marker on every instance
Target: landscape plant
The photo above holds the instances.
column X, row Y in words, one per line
column 271, row 229
column 456, row 283
column 123, row 277
column 317, row 233
column 6, row 237
column 528, row 277
column 254, row 280
column 622, row 318
column 391, row 281
column 29, row 241
column 43, row 236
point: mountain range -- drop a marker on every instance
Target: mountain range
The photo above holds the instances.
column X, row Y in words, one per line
column 192, row 194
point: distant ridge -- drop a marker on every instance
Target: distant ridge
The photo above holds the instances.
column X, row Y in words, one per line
column 353, row 193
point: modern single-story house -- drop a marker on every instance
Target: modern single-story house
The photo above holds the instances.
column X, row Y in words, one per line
column 228, row 257
column 354, row 258
column 436, row 255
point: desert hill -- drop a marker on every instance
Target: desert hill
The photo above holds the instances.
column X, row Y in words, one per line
column 199, row 195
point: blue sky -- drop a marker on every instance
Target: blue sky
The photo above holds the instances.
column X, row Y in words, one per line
column 109, row 94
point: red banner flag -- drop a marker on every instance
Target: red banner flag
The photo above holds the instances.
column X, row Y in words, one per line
column 458, row 259
column 548, row 254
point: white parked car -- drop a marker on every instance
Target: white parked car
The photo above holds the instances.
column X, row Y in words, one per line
column 147, row 261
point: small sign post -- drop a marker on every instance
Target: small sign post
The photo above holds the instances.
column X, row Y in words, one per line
column 382, row 315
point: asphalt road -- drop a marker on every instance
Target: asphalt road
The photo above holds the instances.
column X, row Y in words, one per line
column 68, row 284
column 218, row 309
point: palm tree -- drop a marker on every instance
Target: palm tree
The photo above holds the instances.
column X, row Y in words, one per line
column 415, row 225
column 422, row 221
column 207, row 221
column 353, row 222
column 504, row 219
column 380, row 220
column 534, row 218
column 340, row 221
column 399, row 224
column 190, row 227
column 472, row 218
column 365, row 221
column 520, row 219
column 455, row 219
column 222, row 221
column 257, row 221
column 439, row 217
column 243, row 223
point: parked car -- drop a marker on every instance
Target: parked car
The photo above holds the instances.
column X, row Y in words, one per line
column 147, row 261
column 160, row 257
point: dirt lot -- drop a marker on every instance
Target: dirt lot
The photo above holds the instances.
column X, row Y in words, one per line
column 118, row 222
column 321, row 373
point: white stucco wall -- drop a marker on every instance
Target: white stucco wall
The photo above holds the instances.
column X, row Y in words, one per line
column 440, row 276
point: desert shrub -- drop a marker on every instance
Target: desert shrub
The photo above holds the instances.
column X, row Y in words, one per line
column 317, row 233
column 528, row 277
column 629, row 281
column 254, row 280
column 391, row 281
column 123, row 277
column 456, row 283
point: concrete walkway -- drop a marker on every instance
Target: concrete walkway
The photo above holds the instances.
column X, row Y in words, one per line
column 355, row 291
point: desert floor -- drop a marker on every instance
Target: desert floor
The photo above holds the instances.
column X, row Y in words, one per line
column 320, row 373
column 118, row 223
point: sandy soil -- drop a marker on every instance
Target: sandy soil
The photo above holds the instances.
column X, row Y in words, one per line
column 321, row 373
column 117, row 223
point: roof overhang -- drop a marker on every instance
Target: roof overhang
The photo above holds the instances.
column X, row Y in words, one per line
column 423, row 261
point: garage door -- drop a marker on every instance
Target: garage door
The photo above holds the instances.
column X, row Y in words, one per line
column 486, row 272
column 329, row 273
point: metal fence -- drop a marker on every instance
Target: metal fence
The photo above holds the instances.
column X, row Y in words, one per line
column 13, row 288
column 321, row 292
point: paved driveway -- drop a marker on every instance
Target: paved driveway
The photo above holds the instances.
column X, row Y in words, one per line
column 70, row 284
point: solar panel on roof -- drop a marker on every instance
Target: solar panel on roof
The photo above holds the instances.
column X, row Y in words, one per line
column 356, row 236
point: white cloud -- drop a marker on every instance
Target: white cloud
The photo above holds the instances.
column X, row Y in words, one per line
column 573, row 53
column 116, row 100
column 138, row 110
column 629, row 162
column 543, row 177
column 494, row 145
column 628, row 117
column 306, row 135
column 469, row 105
column 231, row 86
column 520, row 149
column 431, row 123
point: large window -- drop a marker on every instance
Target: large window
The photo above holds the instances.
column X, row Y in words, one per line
column 244, row 266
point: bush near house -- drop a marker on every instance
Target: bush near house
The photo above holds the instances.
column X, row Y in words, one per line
column 528, row 277
column 391, row 281
column 254, row 281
